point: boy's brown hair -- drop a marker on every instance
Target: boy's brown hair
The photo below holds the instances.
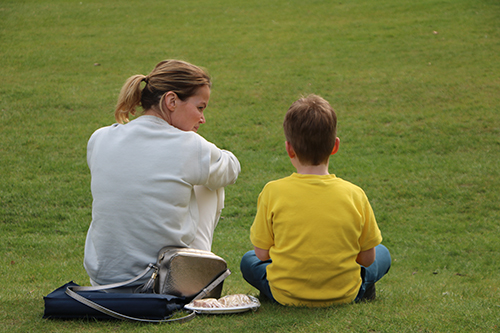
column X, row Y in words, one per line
column 311, row 128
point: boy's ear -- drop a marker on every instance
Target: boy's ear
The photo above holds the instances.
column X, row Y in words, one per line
column 289, row 149
column 336, row 146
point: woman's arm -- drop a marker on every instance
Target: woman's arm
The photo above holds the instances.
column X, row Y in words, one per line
column 224, row 168
column 365, row 258
column 262, row 254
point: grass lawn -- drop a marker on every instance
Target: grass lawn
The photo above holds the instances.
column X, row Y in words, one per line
column 416, row 86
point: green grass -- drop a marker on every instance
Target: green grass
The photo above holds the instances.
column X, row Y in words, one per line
column 416, row 89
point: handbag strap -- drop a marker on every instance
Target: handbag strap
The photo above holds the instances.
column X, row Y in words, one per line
column 204, row 292
column 118, row 284
column 72, row 292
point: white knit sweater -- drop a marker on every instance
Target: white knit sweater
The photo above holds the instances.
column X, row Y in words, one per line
column 143, row 175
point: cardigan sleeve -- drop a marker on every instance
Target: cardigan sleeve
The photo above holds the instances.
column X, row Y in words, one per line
column 224, row 168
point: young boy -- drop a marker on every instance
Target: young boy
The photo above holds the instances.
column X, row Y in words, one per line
column 315, row 236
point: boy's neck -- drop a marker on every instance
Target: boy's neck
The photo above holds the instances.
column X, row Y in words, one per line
column 321, row 169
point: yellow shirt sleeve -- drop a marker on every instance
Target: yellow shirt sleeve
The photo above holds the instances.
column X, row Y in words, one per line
column 261, row 232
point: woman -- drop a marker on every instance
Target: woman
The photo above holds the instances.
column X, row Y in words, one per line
column 155, row 181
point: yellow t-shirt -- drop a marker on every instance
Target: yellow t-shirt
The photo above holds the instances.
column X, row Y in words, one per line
column 314, row 227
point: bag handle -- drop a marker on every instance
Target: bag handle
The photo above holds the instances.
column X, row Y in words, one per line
column 72, row 292
column 119, row 284
column 204, row 292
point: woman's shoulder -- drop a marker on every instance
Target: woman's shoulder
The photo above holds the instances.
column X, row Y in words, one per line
column 101, row 131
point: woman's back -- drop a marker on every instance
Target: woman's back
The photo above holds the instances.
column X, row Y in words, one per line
column 142, row 184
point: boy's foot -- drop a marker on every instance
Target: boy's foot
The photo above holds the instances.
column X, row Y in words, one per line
column 369, row 295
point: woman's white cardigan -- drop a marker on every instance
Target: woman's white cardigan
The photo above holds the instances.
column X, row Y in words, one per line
column 143, row 178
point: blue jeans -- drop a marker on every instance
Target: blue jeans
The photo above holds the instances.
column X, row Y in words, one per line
column 254, row 271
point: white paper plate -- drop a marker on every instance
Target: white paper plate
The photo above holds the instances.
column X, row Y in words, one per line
column 247, row 307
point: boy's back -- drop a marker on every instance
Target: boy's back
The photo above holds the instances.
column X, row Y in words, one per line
column 314, row 226
column 312, row 231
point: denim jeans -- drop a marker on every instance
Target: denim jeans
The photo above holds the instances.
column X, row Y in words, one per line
column 254, row 271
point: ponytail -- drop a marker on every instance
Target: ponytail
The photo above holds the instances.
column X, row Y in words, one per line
column 129, row 99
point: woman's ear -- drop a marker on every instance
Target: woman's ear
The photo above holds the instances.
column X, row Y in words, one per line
column 336, row 146
column 170, row 101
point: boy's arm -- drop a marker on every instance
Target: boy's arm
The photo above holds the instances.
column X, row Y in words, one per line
column 365, row 258
column 262, row 254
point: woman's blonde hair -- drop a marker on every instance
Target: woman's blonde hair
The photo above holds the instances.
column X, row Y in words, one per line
column 180, row 77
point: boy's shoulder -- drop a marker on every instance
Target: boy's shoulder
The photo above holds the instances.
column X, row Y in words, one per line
column 280, row 181
column 327, row 181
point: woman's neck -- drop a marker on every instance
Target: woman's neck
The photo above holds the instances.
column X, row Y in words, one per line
column 156, row 113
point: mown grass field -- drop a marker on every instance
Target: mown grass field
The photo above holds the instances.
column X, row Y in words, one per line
column 416, row 86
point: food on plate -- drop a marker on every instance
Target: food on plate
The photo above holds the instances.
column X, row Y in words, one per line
column 236, row 300
column 207, row 303
column 226, row 302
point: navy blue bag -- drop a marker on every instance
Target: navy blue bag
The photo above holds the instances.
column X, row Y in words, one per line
column 135, row 306
column 72, row 301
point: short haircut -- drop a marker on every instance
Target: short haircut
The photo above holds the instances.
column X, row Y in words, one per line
column 311, row 128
